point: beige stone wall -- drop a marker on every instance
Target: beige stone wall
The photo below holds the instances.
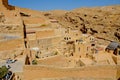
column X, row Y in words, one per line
column 56, row 40
column 44, row 34
column 32, row 43
column 49, row 43
column 31, row 36
column 36, row 72
column 118, row 60
column 20, row 75
column 33, row 20
column 8, row 49
column 118, row 71
column 11, row 23
column 10, row 54
column 56, row 60
column 80, row 50
column 43, row 43
column 12, row 17
column 11, row 44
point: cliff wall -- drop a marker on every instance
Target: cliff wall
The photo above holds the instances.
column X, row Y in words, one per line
column 4, row 3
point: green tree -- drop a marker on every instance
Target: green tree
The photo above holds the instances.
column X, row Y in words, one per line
column 3, row 71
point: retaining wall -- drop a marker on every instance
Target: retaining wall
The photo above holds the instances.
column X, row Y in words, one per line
column 37, row 72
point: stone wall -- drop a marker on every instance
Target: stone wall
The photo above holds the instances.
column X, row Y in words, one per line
column 11, row 53
column 45, row 43
column 10, row 48
column 37, row 72
column 11, row 23
column 118, row 72
column 56, row 61
column 45, row 33
column 11, row 44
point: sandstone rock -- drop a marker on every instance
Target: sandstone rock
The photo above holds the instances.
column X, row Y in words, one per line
column 99, row 20
column 6, row 5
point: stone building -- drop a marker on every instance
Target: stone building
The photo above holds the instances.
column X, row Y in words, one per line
column 114, row 48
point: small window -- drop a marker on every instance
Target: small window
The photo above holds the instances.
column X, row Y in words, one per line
column 64, row 48
column 92, row 44
column 85, row 15
column 15, row 14
column 79, row 49
column 76, row 40
column 76, row 26
column 64, row 38
column 76, row 34
column 87, row 48
column 67, row 38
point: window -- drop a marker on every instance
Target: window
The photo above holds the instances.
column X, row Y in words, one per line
column 79, row 49
column 76, row 34
column 64, row 38
column 64, row 48
column 67, row 38
column 85, row 15
column 87, row 48
column 92, row 44
column 76, row 40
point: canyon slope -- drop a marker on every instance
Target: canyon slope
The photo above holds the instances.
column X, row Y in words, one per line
column 102, row 22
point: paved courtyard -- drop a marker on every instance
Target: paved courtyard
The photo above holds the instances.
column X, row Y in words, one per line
column 15, row 67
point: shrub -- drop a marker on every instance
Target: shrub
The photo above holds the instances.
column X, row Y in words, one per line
column 34, row 62
column 56, row 53
column 3, row 71
column 43, row 25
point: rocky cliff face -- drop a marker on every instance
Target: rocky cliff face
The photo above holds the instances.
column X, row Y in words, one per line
column 10, row 20
column 101, row 22
column 4, row 4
